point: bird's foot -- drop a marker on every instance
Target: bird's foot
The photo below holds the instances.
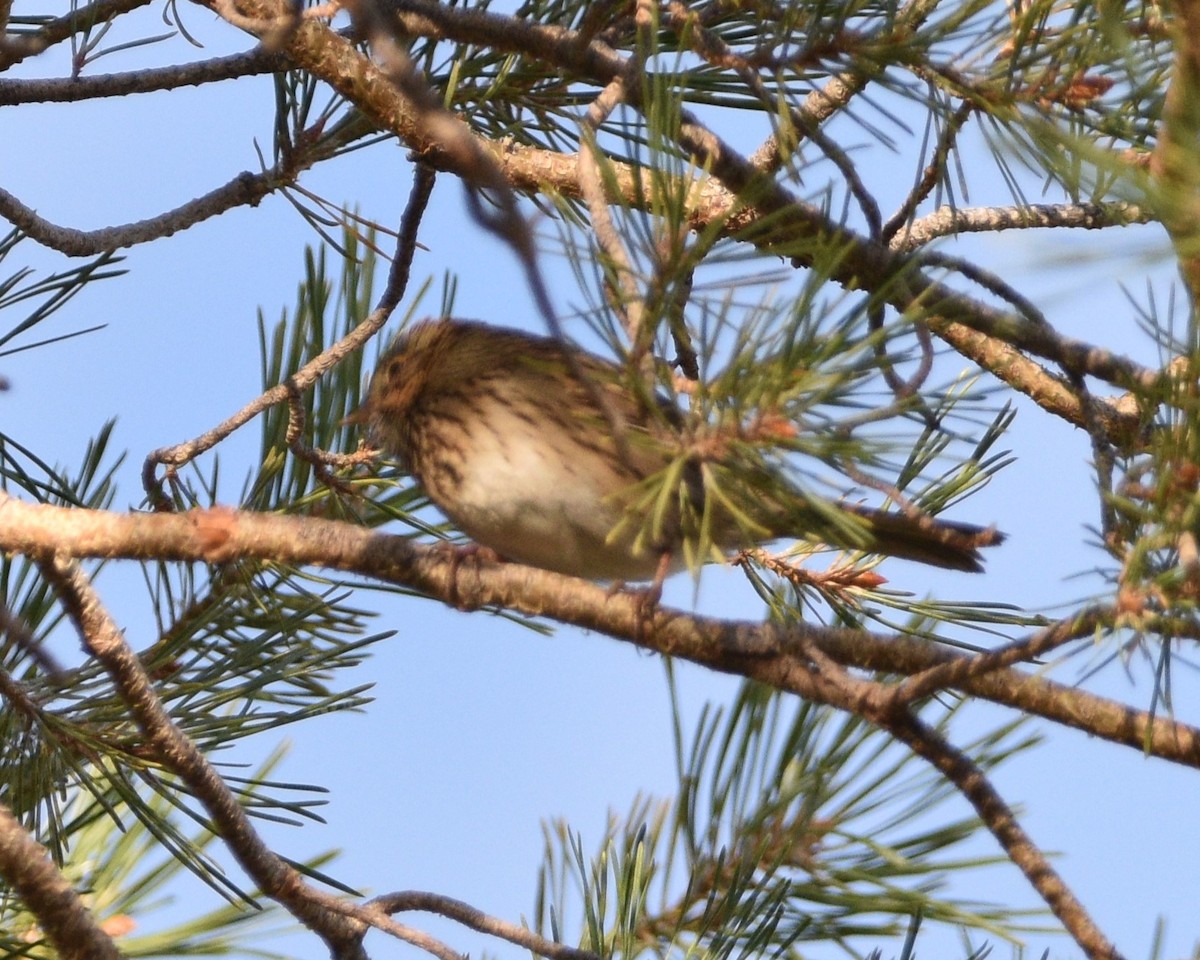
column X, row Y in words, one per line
column 647, row 598
column 456, row 556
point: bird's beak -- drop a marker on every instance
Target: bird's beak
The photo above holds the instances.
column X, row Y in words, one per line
column 358, row 417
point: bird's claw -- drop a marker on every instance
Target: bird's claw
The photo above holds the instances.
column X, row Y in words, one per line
column 456, row 556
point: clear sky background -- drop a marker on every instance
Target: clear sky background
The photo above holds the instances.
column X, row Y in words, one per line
column 480, row 729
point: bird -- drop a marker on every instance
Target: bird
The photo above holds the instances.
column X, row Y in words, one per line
column 544, row 454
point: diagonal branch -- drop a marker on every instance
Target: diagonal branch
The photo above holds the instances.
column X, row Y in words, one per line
column 29, row 872
column 959, row 769
column 958, row 672
column 746, row 203
column 275, row 877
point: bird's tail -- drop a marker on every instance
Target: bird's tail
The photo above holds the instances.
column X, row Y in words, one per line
column 941, row 543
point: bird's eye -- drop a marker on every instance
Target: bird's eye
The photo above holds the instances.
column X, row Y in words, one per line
column 394, row 369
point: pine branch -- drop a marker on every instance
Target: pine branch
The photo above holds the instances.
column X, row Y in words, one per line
column 770, row 653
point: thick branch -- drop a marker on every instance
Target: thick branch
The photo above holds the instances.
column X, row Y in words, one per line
column 770, row 653
column 747, row 203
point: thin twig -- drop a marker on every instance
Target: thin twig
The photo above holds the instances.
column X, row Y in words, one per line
column 15, row 48
column 991, row 282
column 931, row 176
column 625, row 297
column 476, row 919
column 947, row 675
column 418, row 938
column 951, row 221
column 406, row 243
column 75, row 89
column 23, row 639
column 323, row 462
column 246, row 189
column 902, row 389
